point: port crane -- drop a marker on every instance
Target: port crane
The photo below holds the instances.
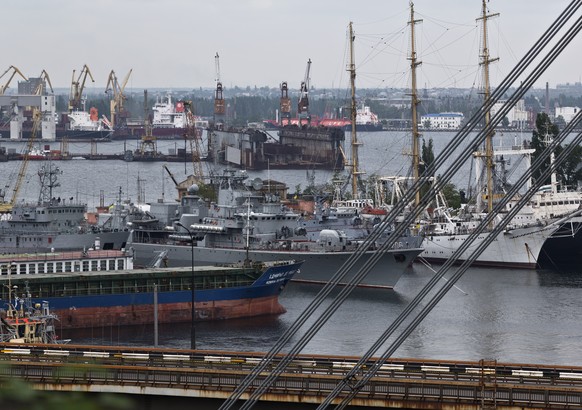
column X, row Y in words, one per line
column 285, row 105
column 192, row 136
column 219, row 107
column 7, row 83
column 303, row 104
column 43, row 78
column 77, row 86
column 116, row 103
column 148, row 144
column 6, row 207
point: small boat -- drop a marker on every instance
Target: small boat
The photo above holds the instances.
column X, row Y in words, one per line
column 24, row 321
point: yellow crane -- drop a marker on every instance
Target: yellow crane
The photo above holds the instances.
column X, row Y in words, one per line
column 192, row 136
column 14, row 72
column 116, row 103
column 40, row 88
column 6, row 207
column 77, row 87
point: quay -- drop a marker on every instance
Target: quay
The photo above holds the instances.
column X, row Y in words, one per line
column 58, row 156
column 156, row 377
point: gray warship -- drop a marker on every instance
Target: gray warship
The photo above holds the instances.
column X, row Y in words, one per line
column 54, row 224
column 247, row 223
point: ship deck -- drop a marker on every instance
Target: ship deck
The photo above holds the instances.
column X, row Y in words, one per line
column 135, row 280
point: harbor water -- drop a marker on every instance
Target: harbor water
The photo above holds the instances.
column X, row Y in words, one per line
column 519, row 316
column 524, row 316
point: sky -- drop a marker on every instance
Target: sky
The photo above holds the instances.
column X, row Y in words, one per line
column 173, row 43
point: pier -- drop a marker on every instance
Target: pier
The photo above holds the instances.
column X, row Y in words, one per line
column 203, row 377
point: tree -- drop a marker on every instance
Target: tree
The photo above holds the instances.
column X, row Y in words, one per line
column 427, row 155
column 452, row 195
column 568, row 172
column 544, row 129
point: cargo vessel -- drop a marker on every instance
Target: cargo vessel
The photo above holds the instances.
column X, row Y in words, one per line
column 127, row 297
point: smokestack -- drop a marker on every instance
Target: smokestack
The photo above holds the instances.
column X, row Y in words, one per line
column 547, row 98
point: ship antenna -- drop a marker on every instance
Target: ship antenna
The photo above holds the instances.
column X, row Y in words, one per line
column 247, row 260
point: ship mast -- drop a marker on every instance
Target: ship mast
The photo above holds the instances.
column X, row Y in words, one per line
column 414, row 104
column 553, row 179
column 485, row 62
column 352, row 69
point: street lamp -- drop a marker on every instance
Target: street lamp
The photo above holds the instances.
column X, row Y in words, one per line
column 192, row 327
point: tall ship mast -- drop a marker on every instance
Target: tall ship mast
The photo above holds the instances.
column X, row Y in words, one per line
column 486, row 60
column 414, row 104
column 354, row 111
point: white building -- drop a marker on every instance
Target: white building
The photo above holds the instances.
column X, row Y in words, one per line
column 517, row 116
column 567, row 113
column 444, row 120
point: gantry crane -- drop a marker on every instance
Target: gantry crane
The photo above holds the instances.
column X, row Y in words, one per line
column 219, row 107
column 285, row 105
column 6, row 207
column 77, row 86
column 116, row 103
column 192, row 136
column 7, row 83
column 303, row 104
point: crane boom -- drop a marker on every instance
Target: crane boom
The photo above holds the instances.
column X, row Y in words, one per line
column 303, row 104
column 77, row 87
column 219, row 107
column 40, row 87
column 116, row 103
column 7, row 206
column 14, row 72
column 285, row 105
column 195, row 147
column 171, row 175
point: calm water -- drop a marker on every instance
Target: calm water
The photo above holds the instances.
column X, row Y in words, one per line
column 509, row 315
column 381, row 154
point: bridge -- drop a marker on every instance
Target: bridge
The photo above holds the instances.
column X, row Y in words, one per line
column 201, row 375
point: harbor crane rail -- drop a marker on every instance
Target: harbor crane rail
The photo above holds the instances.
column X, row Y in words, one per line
column 77, row 86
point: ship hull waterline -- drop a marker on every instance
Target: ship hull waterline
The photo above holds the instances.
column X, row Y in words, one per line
column 138, row 307
column 318, row 267
column 519, row 248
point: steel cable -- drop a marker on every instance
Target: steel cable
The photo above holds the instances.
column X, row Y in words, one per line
column 533, row 53
column 538, row 163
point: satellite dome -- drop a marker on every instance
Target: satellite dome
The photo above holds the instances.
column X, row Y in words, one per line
column 193, row 189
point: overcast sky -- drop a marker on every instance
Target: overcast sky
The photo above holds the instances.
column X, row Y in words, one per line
column 172, row 43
